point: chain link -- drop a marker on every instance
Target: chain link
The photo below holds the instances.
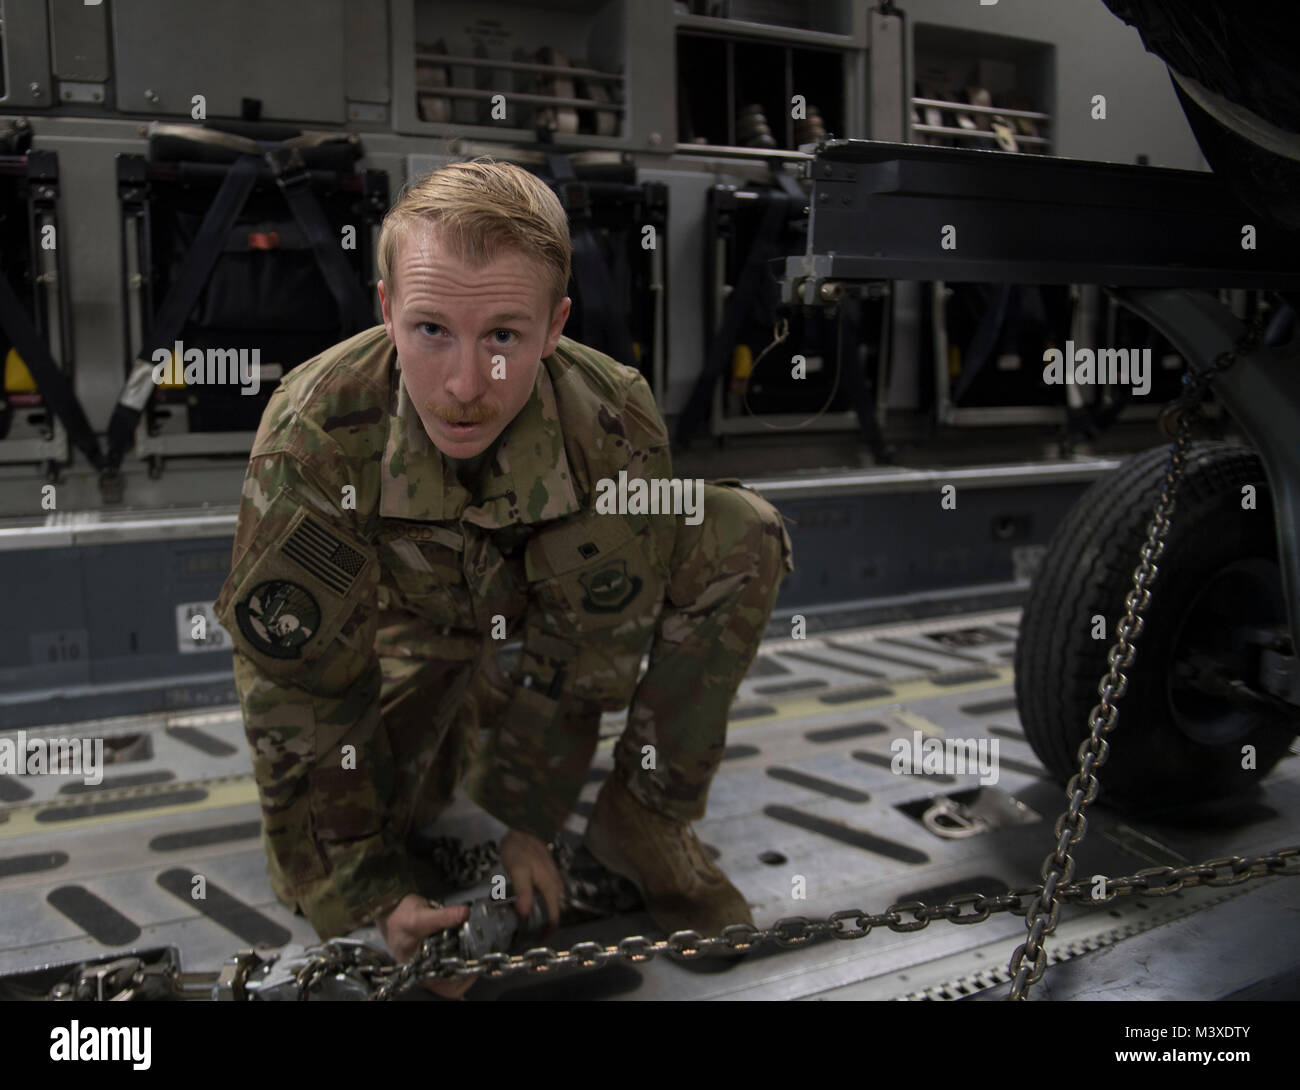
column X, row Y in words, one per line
column 1058, row 867
column 797, row 931
column 463, row 867
column 439, row 954
column 1039, row 905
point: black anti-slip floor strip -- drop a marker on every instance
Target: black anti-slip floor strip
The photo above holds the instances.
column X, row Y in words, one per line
column 862, row 692
column 31, row 864
column 199, row 838
column 119, row 806
column 202, row 740
column 1007, row 732
column 100, row 920
column 767, row 666
column 846, row 834
column 834, row 664
column 1020, row 766
column 989, row 707
column 223, row 909
column 777, row 688
column 882, row 760
column 13, row 791
column 963, row 677
column 838, row 734
column 872, row 651
column 750, row 711
column 816, row 783
column 110, row 783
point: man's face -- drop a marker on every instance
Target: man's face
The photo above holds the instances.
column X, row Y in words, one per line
column 469, row 340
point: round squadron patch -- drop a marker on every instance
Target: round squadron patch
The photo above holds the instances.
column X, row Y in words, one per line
column 278, row 617
column 609, row 589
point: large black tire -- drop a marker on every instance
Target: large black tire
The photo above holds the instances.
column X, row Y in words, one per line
column 1171, row 743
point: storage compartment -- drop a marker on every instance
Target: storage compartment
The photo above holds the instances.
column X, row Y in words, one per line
column 981, row 91
column 741, row 93
column 285, row 58
column 551, row 69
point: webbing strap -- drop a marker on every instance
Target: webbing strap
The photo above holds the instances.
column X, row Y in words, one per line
column 592, row 274
column 179, row 302
column 50, row 379
column 355, row 310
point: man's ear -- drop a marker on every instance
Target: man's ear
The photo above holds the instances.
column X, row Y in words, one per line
column 386, row 308
column 556, row 329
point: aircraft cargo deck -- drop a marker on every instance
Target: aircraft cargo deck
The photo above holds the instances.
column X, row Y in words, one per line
column 805, row 801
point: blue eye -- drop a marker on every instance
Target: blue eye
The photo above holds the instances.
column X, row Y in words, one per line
column 511, row 336
column 424, row 328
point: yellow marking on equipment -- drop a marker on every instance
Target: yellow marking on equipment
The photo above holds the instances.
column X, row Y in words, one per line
column 22, row 821
column 742, row 361
column 17, row 378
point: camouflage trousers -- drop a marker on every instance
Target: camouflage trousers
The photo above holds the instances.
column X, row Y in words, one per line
column 724, row 577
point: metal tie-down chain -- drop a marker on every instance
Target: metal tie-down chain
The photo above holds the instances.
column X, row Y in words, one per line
column 462, row 867
column 1043, row 907
column 1071, row 826
column 373, row 972
column 436, row 960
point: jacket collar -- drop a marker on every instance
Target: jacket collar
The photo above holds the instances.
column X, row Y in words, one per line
column 528, row 480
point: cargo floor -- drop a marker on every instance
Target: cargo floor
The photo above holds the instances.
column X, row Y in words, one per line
column 805, row 802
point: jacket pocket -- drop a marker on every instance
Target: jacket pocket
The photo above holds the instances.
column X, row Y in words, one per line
column 427, row 575
column 593, row 574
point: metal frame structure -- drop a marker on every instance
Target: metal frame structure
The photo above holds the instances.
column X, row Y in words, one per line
column 52, row 315
column 1157, row 237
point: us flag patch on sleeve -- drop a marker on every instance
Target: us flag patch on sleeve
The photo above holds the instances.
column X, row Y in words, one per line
column 289, row 598
column 334, row 563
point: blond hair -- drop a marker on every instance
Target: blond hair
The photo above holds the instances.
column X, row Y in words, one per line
column 482, row 207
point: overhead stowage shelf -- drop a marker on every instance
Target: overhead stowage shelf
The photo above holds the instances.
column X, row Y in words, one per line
column 525, row 70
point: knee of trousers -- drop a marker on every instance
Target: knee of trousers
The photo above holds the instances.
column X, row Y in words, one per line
column 743, row 529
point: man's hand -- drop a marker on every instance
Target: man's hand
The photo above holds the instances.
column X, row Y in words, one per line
column 407, row 925
column 529, row 866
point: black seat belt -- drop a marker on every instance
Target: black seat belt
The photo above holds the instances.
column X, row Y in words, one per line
column 356, row 312
column 50, row 379
column 179, row 302
column 590, row 270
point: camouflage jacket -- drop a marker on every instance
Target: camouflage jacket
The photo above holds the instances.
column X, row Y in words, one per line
column 346, row 504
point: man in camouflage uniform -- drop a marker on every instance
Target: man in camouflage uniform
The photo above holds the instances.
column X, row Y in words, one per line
column 426, row 490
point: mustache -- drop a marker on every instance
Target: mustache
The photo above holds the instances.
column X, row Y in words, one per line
column 477, row 413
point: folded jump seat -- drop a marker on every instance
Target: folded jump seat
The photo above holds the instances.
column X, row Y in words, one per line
column 247, row 237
